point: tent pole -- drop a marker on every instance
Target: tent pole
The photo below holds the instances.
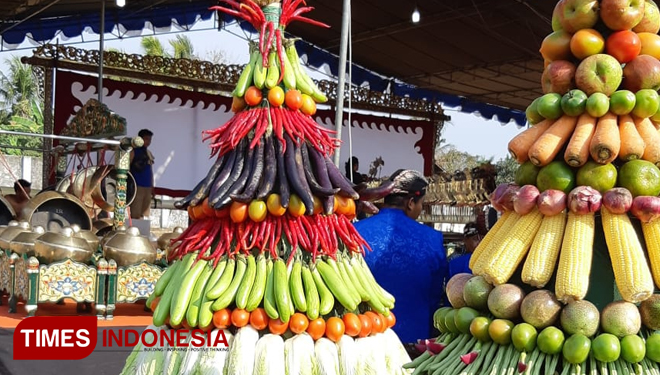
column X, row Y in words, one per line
column 101, row 48
column 339, row 116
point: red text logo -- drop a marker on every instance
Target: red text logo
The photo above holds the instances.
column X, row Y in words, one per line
column 55, row 337
column 180, row 338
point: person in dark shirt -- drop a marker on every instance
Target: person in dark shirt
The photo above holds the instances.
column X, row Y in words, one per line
column 352, row 173
column 142, row 161
column 407, row 258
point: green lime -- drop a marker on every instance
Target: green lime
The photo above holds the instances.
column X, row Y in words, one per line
column 532, row 113
column 523, row 337
column 526, row 174
column 601, row 177
column 464, row 317
column 550, row 340
column 576, row 348
column 439, row 319
column 653, row 347
column 606, row 347
column 641, row 177
column 449, row 321
column 633, row 348
column 500, row 331
column 556, row 175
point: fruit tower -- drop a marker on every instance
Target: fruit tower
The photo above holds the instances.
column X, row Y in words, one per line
column 585, row 199
column 272, row 261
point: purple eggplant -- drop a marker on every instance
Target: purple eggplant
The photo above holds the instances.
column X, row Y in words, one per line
column 270, row 170
column 340, row 181
column 253, row 179
column 296, row 174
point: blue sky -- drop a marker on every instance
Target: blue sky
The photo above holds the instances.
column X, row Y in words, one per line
column 469, row 133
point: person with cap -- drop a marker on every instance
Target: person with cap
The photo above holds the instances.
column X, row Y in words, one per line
column 461, row 262
column 407, row 258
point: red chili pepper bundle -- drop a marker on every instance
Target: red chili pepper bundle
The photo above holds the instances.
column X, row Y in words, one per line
column 291, row 12
column 248, row 11
column 227, row 137
column 301, row 127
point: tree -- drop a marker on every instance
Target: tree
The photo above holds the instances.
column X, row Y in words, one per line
column 182, row 47
column 19, row 107
column 506, row 170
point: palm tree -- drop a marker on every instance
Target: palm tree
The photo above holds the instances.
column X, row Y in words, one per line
column 182, row 47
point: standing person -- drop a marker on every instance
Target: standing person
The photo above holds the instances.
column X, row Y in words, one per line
column 21, row 196
column 472, row 236
column 408, row 259
column 142, row 161
column 352, row 173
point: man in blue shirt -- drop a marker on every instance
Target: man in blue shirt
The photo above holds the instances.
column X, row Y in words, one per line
column 408, row 259
column 142, row 161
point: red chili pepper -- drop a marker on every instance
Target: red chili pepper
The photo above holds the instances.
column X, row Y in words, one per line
column 234, row 13
column 260, row 14
column 309, row 21
column 277, row 235
column 293, row 252
column 271, row 35
column 280, row 54
column 308, row 233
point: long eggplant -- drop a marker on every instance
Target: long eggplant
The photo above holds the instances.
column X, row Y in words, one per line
column 240, row 182
column 282, row 179
column 270, row 170
column 340, row 181
column 368, row 207
column 318, row 164
column 208, row 181
column 185, row 202
column 223, row 183
column 315, row 187
column 377, row 192
column 296, row 174
column 254, row 177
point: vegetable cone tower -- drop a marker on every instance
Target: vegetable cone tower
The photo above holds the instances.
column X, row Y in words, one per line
column 583, row 210
column 271, row 260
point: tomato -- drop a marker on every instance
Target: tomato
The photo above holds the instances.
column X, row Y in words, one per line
column 390, row 319
column 500, row 331
column 334, row 328
column 257, row 211
column 308, row 105
column 277, row 326
column 276, row 96
column 208, row 210
column 633, row 349
column 240, row 317
column 253, row 96
column 366, row 323
column 587, row 42
column 221, row 214
column 296, row 206
column 318, row 206
column 653, row 347
column 342, row 206
column 622, row 102
column 316, row 328
column 479, row 328
column 383, row 322
column 154, row 304
column 238, row 212
column 352, row 324
column 576, row 348
column 298, row 323
column 556, row 46
column 199, row 213
column 293, row 99
column 350, row 208
column 550, row 340
column 623, row 45
column 650, row 44
column 259, row 319
column 191, row 213
column 523, row 337
column 237, row 104
column 606, row 347
column 221, row 318
column 377, row 322
column 207, row 328
column 274, row 205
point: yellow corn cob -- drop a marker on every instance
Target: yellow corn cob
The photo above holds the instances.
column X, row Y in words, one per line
column 507, row 256
column 542, row 257
column 488, row 239
column 575, row 258
column 652, row 238
column 631, row 272
column 485, row 249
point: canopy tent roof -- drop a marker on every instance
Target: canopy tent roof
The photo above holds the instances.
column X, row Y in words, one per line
column 481, row 55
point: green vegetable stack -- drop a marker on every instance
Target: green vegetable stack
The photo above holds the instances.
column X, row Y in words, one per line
column 271, row 259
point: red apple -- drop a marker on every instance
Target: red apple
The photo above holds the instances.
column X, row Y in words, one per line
column 577, row 14
column 599, row 73
column 621, row 14
column 558, row 77
column 623, row 45
column 643, row 72
column 650, row 23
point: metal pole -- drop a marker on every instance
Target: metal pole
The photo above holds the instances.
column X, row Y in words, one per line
column 339, row 116
column 61, row 137
column 101, row 47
